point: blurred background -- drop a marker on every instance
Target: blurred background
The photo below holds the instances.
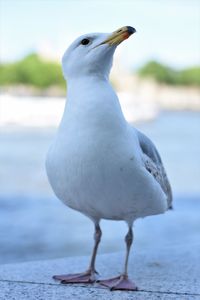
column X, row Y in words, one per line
column 156, row 74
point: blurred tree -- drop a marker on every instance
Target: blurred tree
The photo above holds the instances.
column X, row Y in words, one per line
column 190, row 76
column 165, row 74
column 32, row 70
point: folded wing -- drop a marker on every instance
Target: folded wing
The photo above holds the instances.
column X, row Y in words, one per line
column 154, row 165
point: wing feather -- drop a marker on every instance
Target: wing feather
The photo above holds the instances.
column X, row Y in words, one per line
column 154, row 165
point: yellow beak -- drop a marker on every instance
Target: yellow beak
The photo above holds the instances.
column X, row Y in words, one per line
column 119, row 35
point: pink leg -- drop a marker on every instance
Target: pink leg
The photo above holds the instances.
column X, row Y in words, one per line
column 122, row 282
column 90, row 275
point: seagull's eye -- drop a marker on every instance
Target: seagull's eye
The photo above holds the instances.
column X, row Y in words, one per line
column 85, row 42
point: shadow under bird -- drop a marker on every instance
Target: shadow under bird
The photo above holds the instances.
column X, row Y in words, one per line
column 98, row 164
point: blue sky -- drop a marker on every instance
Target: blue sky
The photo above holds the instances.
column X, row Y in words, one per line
column 167, row 30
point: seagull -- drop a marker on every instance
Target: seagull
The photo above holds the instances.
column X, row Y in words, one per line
column 98, row 163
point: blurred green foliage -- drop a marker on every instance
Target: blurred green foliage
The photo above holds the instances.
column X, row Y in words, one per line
column 165, row 74
column 32, row 70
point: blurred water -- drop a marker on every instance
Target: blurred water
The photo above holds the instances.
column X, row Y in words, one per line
column 35, row 225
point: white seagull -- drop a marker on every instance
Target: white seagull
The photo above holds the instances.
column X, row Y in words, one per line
column 98, row 164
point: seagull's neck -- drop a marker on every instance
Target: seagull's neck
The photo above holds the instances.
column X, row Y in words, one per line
column 85, row 86
column 92, row 101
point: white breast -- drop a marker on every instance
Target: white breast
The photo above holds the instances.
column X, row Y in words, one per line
column 94, row 164
column 102, row 180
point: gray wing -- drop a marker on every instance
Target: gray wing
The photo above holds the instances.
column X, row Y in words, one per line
column 154, row 165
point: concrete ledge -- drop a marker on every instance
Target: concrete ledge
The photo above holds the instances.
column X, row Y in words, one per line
column 170, row 273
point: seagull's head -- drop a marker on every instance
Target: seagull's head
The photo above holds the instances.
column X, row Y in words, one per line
column 93, row 53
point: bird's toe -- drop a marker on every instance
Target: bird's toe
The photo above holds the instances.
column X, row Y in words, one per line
column 85, row 277
column 119, row 283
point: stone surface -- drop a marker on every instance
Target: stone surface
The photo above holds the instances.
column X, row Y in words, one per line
column 170, row 273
